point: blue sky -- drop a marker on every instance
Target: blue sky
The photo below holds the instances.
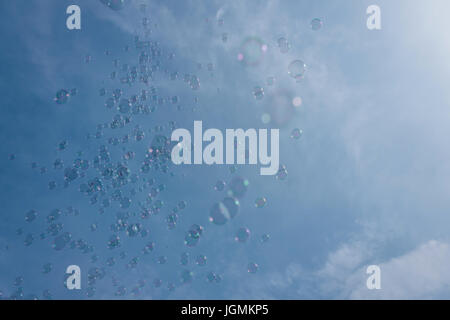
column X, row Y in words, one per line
column 367, row 181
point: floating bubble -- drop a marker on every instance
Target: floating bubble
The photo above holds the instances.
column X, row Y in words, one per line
column 47, row 268
column 172, row 220
column 134, row 229
column 220, row 185
column 53, row 215
column 213, row 277
column 161, row 260
column 297, row 102
column 201, row 260
column 186, row 276
column 148, row 247
column 258, row 93
column 184, row 259
column 265, row 237
column 252, row 267
column 62, row 96
column 111, row 261
column 125, row 203
column 296, row 70
column 283, row 45
column 260, row 202
column 282, row 173
column 157, row 283
column 252, row 51
column 316, row 24
column 242, row 235
column 124, row 106
column 238, row 187
column 60, row 241
column 296, row 133
column 270, row 81
column 114, row 4
column 194, row 83
column 28, row 240
column 114, row 242
column 90, row 292
column 30, row 216
column 280, row 107
column 121, row 291
column 182, row 205
column 265, row 118
column 193, row 235
column 70, row 174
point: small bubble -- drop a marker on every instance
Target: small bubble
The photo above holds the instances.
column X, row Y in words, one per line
column 201, row 260
column 296, row 133
column 186, row 276
column 282, row 173
column 297, row 102
column 265, row 118
column 258, row 93
column 220, row 185
column 62, row 96
column 242, row 235
column 47, row 268
column 184, row 259
column 30, row 216
column 283, row 45
column 252, row 267
column 265, row 237
column 260, row 202
column 296, row 70
column 316, row 24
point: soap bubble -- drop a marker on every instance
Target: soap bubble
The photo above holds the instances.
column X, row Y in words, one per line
column 193, row 235
column 213, row 277
column 114, row 242
column 297, row 102
column 161, row 260
column 124, row 106
column 260, row 202
column 258, row 93
column 220, row 185
column 238, row 187
column 265, row 118
column 252, row 267
column 296, row 133
column 184, row 259
column 219, row 214
column 252, row 51
column 60, row 241
column 30, row 216
column 282, row 173
column 47, row 268
column 121, row 291
column 201, row 260
column 296, row 70
column 265, row 237
column 316, row 24
column 242, row 235
column 283, row 45
column 114, row 4
column 157, row 283
column 62, row 96
column 186, row 276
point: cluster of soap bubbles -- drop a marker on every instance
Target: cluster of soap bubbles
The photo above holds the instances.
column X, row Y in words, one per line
column 123, row 176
